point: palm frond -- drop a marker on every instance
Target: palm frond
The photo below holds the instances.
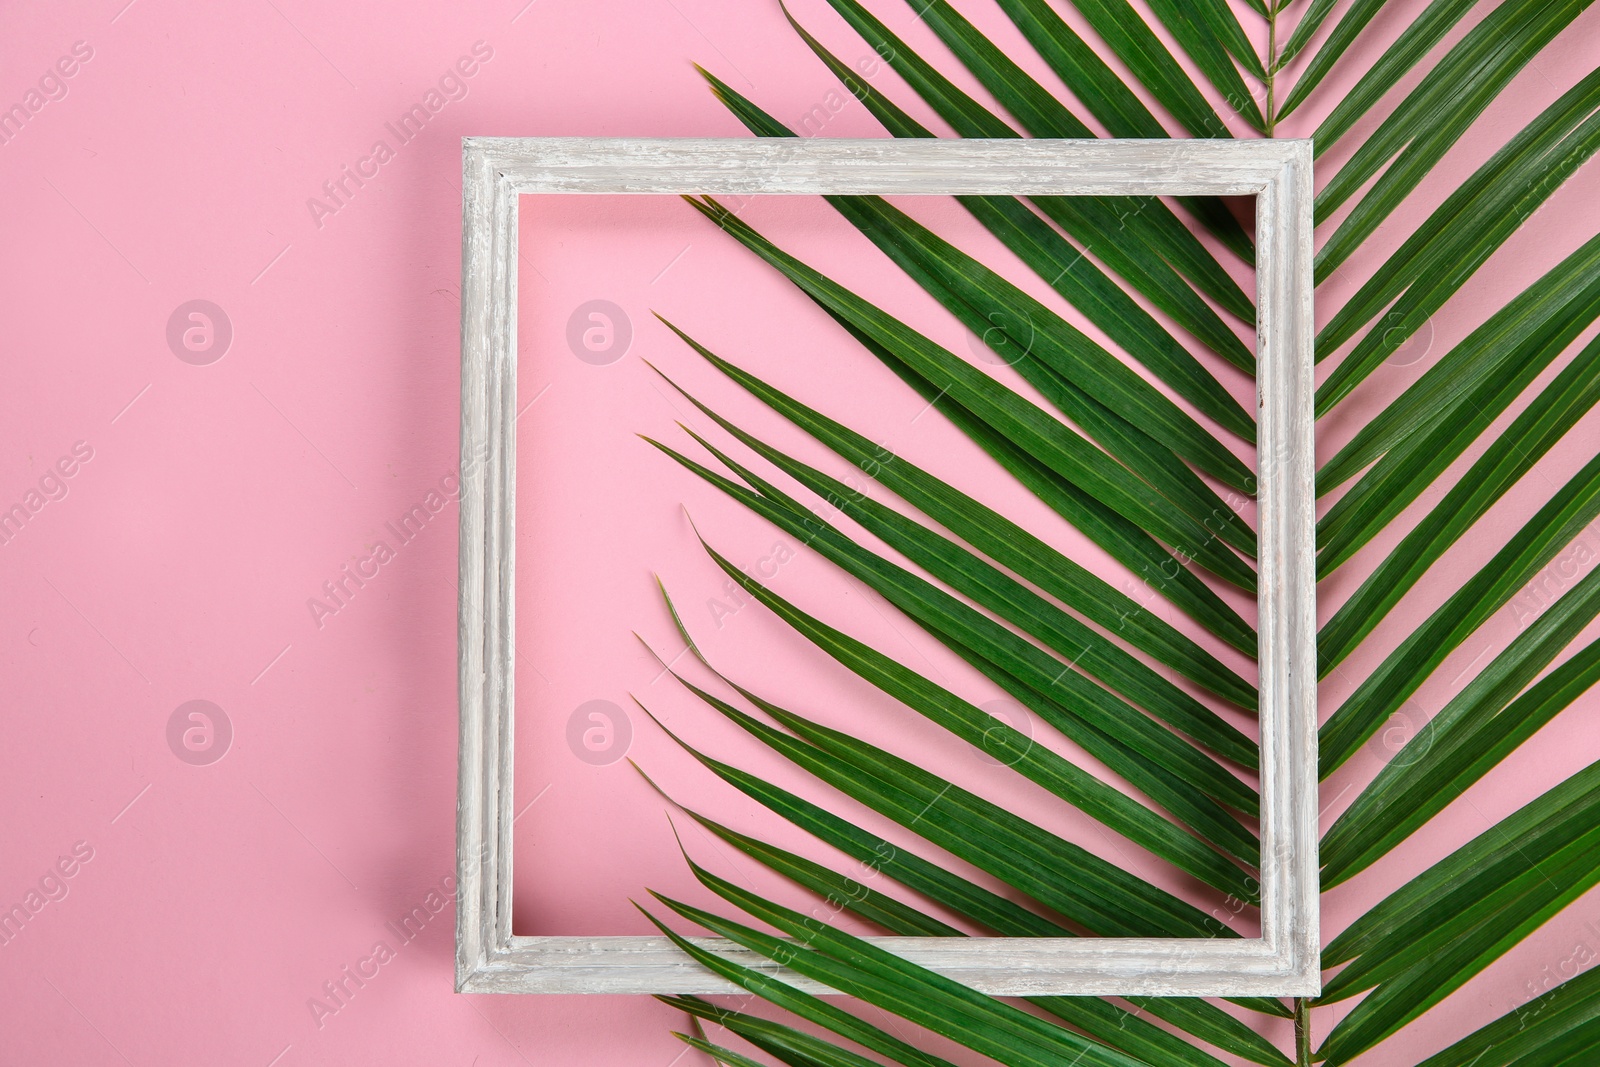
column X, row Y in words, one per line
column 1132, row 471
column 1123, row 114
column 1129, row 37
column 1103, row 725
column 1463, row 913
column 1043, row 437
column 1573, row 507
column 1532, row 325
column 1096, row 1017
column 1482, row 725
column 981, row 582
column 1438, row 259
column 855, row 967
column 1024, row 553
column 1540, row 425
column 1556, row 1028
column 1114, row 732
column 1451, row 95
column 1145, row 258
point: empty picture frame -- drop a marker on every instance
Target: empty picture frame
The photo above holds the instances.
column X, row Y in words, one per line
column 1284, row 960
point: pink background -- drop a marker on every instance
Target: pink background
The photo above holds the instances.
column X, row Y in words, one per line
column 178, row 562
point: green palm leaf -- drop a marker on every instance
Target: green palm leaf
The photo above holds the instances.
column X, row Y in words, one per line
column 1462, row 234
column 1100, row 897
column 1535, row 431
column 1094, row 1016
column 1132, row 41
column 1042, row 115
column 1055, row 260
column 1573, row 507
column 1576, row 795
column 1211, row 35
column 784, row 1042
column 1533, row 322
column 1081, row 376
column 1451, row 95
column 1418, row 38
column 855, row 967
column 1555, row 1029
column 983, row 583
column 1107, row 727
column 1058, row 262
column 1125, row 115
column 1146, row 258
column 1104, row 726
column 1046, row 439
column 1397, row 479
column 1133, row 472
column 1024, row 553
column 1530, row 163
column 1486, row 897
column 1477, row 729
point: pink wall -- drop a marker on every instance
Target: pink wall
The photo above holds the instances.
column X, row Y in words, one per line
column 217, row 885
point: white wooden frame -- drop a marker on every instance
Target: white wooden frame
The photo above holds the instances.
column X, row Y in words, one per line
column 1284, row 961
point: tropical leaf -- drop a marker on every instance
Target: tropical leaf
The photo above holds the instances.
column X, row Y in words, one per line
column 1529, row 324
column 1397, row 479
column 855, row 967
column 1133, row 472
column 1046, row 439
column 785, row 1043
column 1484, row 898
column 1124, row 115
column 1098, row 726
column 1461, row 235
column 1519, row 176
column 1096, row 1017
column 1146, row 257
column 1132, row 41
column 1024, row 553
column 1438, row 111
column 1468, row 737
column 1414, row 42
column 1102, row 726
column 991, row 587
column 1099, row 897
column 1574, row 506
column 1558, row 1027
column 1538, row 428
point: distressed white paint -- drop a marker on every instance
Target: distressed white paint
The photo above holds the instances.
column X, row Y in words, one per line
column 1284, row 961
